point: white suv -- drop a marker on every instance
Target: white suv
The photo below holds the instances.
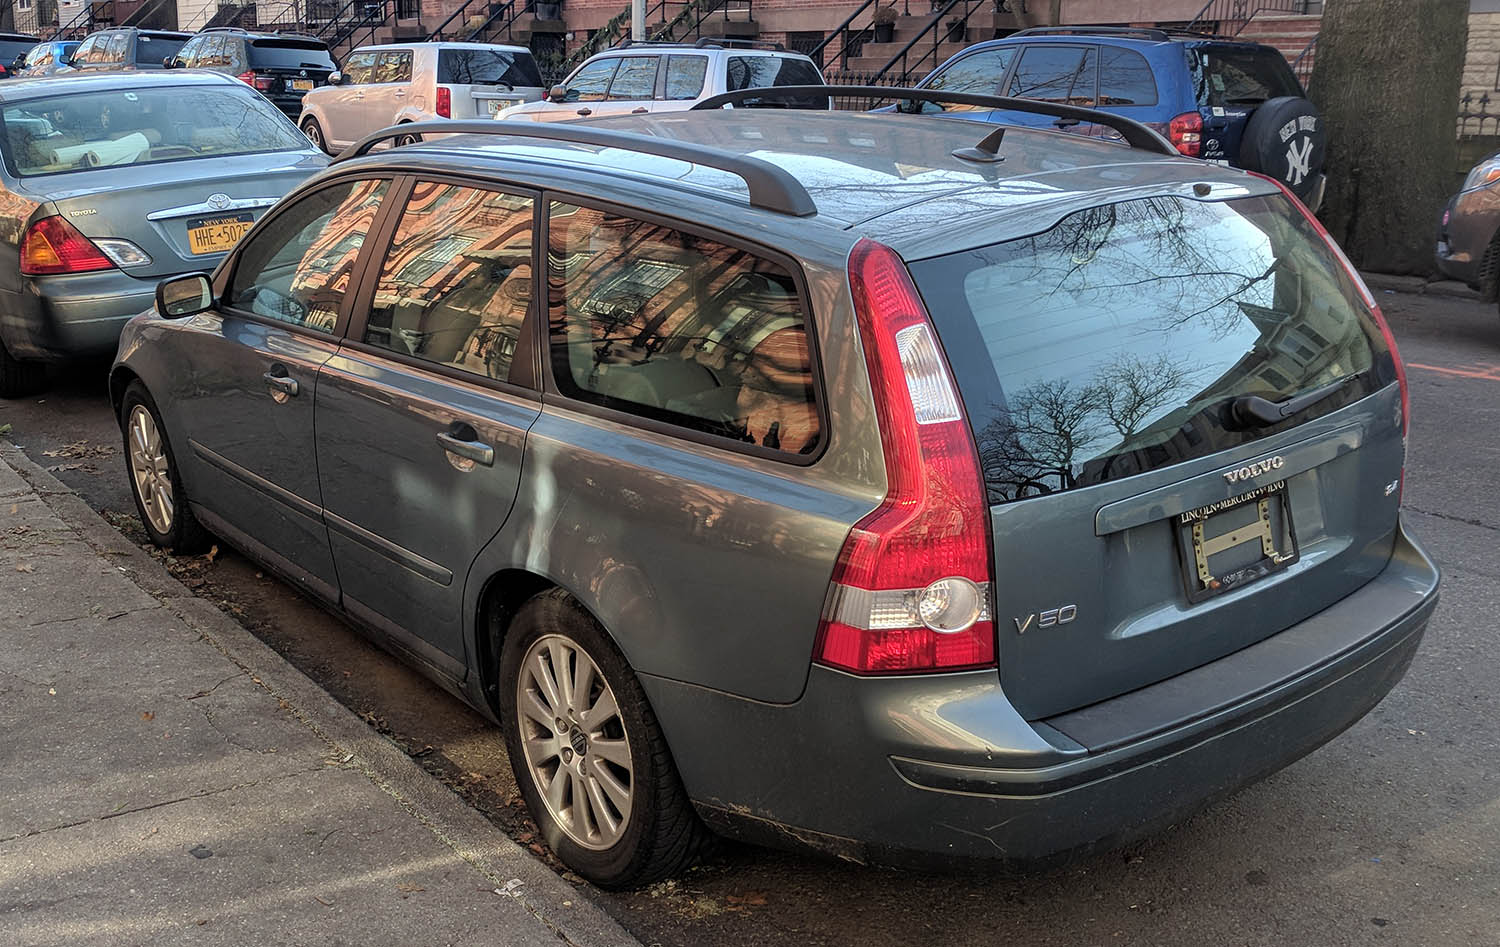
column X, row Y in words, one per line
column 392, row 84
column 667, row 77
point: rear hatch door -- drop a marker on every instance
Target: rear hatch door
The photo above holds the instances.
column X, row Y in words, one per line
column 1124, row 373
column 294, row 68
column 1229, row 82
column 482, row 81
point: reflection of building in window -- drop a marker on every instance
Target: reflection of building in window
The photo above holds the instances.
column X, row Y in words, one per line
column 456, row 283
column 681, row 328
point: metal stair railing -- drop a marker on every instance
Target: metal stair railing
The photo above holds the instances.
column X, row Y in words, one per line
column 937, row 31
column 81, row 24
column 848, row 36
column 1238, row 13
column 496, row 11
column 1302, row 66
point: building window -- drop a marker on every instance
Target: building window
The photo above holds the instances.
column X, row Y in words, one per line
column 805, row 42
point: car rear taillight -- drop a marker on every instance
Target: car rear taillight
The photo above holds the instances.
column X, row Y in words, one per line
column 444, row 102
column 259, row 83
column 1185, row 132
column 52, row 246
column 911, row 590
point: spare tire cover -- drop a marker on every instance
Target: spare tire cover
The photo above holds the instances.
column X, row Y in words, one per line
column 1285, row 139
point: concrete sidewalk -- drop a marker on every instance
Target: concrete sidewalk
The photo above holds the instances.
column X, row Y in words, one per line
column 165, row 778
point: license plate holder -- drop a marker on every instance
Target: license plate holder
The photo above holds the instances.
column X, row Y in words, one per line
column 217, row 234
column 302, row 85
column 1227, row 545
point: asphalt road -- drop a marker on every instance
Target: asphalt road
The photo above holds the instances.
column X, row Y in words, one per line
column 1388, row 835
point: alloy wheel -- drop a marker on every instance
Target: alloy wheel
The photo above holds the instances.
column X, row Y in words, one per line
column 150, row 470
column 575, row 742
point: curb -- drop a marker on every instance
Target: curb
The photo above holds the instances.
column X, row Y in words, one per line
column 567, row 911
column 1418, row 285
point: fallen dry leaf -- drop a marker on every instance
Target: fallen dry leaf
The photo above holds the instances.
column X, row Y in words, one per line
column 212, row 553
column 147, row 715
column 15, row 508
column 25, row 567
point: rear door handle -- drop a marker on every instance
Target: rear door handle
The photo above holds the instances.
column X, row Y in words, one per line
column 639, row 111
column 1065, row 123
column 477, row 451
column 399, row 94
column 585, row 111
column 281, row 383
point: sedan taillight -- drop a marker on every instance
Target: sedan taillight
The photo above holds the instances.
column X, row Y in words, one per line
column 52, row 247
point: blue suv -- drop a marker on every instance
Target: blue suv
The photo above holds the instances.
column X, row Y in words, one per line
column 1230, row 102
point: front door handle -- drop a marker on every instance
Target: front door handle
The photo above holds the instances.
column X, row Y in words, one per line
column 282, row 386
column 585, row 111
column 1065, row 123
column 640, row 111
column 472, row 450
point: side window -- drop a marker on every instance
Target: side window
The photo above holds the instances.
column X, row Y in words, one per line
column 591, row 81
column 1048, row 72
column 393, row 66
column 213, row 52
column 979, row 73
column 456, row 281
column 685, row 75
column 1125, row 78
column 188, row 54
column 1086, row 86
column 296, row 269
column 678, row 328
column 234, row 55
column 359, row 67
column 85, row 49
column 119, row 44
column 635, row 79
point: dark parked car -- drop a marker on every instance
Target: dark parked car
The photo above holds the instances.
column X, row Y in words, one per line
column 127, row 48
column 281, row 66
column 833, row 480
column 1219, row 99
column 13, row 50
column 1468, row 247
column 111, row 181
column 46, row 59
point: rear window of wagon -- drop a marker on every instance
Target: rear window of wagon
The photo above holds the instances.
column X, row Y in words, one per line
column 1113, row 343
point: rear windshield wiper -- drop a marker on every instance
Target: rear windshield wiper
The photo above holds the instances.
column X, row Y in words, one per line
column 1255, row 411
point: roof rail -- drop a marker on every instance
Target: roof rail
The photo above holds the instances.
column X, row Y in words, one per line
column 1135, row 134
column 1159, row 36
column 739, row 43
column 771, row 187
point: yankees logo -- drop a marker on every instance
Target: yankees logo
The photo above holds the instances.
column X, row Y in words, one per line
column 1298, row 163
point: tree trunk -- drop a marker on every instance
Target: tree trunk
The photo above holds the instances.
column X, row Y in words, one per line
column 1386, row 78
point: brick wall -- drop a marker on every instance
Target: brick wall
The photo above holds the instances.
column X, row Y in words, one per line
column 1482, row 61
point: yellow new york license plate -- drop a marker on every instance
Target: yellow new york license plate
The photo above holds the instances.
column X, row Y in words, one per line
column 217, row 234
column 301, row 85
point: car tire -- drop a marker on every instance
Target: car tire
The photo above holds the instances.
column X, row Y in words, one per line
column 404, row 140
column 1285, row 139
column 19, row 377
column 314, row 133
column 160, row 500
column 660, row 834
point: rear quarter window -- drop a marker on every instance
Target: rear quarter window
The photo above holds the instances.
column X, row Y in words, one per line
column 759, row 72
column 1114, row 343
column 690, row 332
column 1125, row 78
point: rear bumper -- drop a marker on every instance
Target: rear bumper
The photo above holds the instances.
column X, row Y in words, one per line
column 60, row 317
column 938, row 771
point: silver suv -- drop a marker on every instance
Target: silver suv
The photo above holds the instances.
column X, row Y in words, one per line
column 894, row 488
column 401, row 83
column 635, row 78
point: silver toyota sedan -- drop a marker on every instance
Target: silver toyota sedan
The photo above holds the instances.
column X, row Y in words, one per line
column 108, row 183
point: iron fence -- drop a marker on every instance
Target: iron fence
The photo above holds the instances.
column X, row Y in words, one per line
column 861, row 103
